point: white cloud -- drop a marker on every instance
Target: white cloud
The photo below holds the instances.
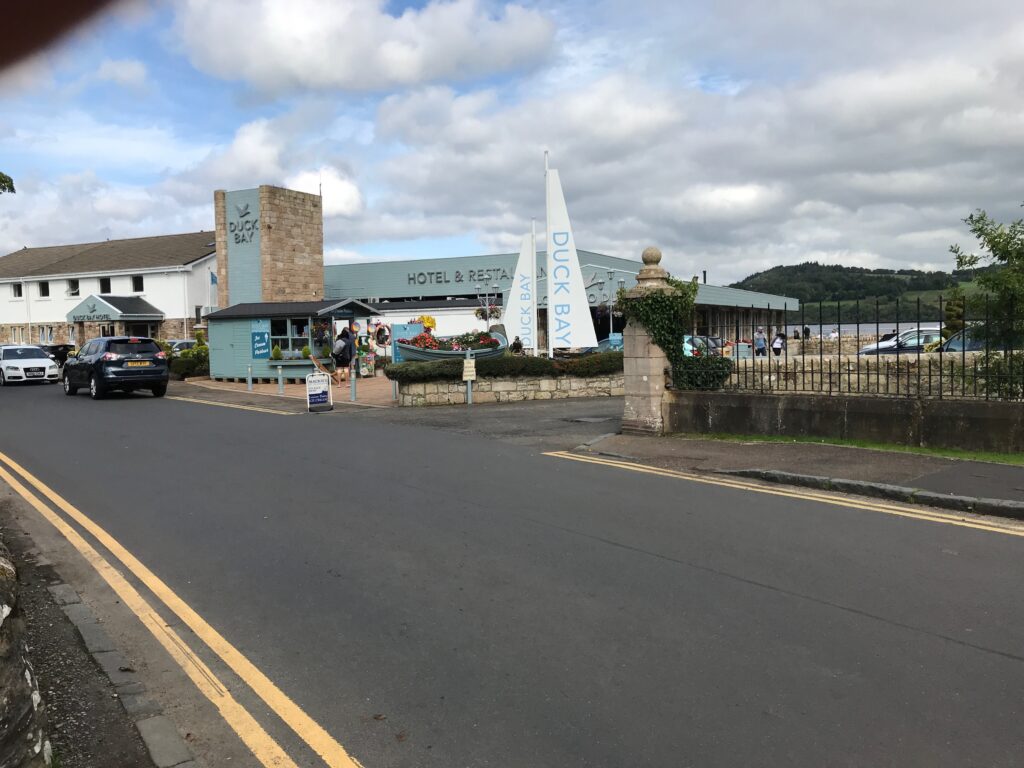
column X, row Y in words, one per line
column 356, row 44
column 342, row 256
column 341, row 196
column 126, row 72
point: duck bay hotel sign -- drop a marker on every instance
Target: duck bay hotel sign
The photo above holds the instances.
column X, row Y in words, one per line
column 92, row 311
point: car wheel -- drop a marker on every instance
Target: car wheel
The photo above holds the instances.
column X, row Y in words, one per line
column 96, row 391
column 2, row 379
column 69, row 388
column 159, row 390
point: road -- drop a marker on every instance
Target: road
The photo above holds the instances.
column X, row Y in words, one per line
column 431, row 593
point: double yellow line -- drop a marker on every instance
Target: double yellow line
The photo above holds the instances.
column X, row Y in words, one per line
column 819, row 496
column 259, row 742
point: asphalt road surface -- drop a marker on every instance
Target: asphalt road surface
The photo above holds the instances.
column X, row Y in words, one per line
column 435, row 596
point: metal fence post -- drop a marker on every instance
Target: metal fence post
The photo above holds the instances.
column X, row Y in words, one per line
column 352, row 384
column 248, row 378
column 280, row 380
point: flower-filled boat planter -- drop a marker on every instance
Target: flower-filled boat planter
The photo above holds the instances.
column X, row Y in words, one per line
column 426, row 346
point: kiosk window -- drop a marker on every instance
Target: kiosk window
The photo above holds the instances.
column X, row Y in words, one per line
column 289, row 333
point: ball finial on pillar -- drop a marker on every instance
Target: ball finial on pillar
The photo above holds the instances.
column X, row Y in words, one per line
column 651, row 256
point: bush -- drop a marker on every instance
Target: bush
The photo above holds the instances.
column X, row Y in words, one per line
column 276, row 353
column 600, row 364
column 192, row 362
column 1002, row 376
column 306, row 352
column 701, row 372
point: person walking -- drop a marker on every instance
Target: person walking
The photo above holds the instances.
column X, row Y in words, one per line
column 342, row 353
column 779, row 342
column 760, row 343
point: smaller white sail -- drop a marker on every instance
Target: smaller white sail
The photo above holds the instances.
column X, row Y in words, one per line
column 520, row 316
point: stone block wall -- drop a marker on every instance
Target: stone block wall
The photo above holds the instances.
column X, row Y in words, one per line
column 23, row 740
column 220, row 240
column 291, row 245
column 644, row 367
column 510, row 390
column 924, row 376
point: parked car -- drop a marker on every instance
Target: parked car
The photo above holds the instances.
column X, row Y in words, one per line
column 24, row 362
column 117, row 363
column 889, row 341
column 180, row 345
column 58, row 352
column 713, row 344
column 694, row 346
column 907, row 343
column 973, row 340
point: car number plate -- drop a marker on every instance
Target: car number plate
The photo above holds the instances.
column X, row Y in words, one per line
column 34, row 374
column 137, row 363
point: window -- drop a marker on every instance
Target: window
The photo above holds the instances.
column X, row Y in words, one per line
column 71, row 334
column 104, row 285
column 133, row 347
column 72, row 287
column 44, row 289
column 137, row 284
column 289, row 333
column 16, row 290
column 107, row 330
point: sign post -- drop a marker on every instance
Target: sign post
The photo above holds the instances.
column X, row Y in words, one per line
column 469, row 375
column 318, row 393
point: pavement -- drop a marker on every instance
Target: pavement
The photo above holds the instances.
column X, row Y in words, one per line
column 459, row 587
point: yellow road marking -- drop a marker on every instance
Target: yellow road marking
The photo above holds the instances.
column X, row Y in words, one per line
column 311, row 732
column 824, row 497
column 259, row 742
column 230, row 405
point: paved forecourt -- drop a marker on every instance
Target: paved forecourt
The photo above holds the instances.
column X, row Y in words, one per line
column 434, row 597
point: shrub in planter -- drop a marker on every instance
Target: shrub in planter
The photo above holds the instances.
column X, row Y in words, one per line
column 306, row 352
column 276, row 354
column 600, row 364
column 701, row 372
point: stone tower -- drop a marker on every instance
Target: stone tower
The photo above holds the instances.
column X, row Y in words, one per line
column 270, row 245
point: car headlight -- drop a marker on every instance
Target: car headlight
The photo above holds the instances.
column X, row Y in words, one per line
column 14, row 368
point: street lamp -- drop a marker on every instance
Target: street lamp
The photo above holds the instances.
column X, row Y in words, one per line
column 611, row 302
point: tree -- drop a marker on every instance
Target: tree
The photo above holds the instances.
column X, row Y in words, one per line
column 1002, row 246
column 6, row 183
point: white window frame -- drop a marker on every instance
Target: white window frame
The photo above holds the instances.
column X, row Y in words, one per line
column 17, row 291
column 77, row 290
column 39, row 289
column 142, row 284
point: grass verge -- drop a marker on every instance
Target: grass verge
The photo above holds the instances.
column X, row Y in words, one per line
column 1016, row 459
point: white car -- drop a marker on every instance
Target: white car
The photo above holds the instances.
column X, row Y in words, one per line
column 23, row 362
column 889, row 345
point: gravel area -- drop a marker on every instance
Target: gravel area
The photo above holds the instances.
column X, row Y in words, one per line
column 89, row 727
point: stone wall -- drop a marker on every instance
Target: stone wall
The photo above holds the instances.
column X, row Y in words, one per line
column 23, row 741
column 220, row 240
column 510, row 390
column 966, row 424
column 291, row 245
column 926, row 375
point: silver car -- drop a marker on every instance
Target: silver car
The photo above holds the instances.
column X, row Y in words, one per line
column 903, row 337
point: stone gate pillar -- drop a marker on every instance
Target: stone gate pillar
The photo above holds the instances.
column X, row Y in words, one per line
column 644, row 362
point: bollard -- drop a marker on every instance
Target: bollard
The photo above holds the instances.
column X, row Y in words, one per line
column 394, row 390
column 469, row 384
column 248, row 379
column 352, row 379
column 280, row 379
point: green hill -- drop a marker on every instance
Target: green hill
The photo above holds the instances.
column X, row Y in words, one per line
column 850, row 294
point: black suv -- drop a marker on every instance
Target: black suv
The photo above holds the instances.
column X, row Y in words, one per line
column 117, row 362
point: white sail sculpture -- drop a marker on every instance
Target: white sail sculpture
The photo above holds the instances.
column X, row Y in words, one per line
column 520, row 315
column 569, row 321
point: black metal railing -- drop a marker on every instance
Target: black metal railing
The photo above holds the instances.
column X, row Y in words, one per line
column 955, row 348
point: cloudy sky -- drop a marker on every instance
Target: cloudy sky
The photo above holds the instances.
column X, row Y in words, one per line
column 734, row 135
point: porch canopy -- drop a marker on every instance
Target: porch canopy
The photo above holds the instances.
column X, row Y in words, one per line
column 345, row 309
column 107, row 309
